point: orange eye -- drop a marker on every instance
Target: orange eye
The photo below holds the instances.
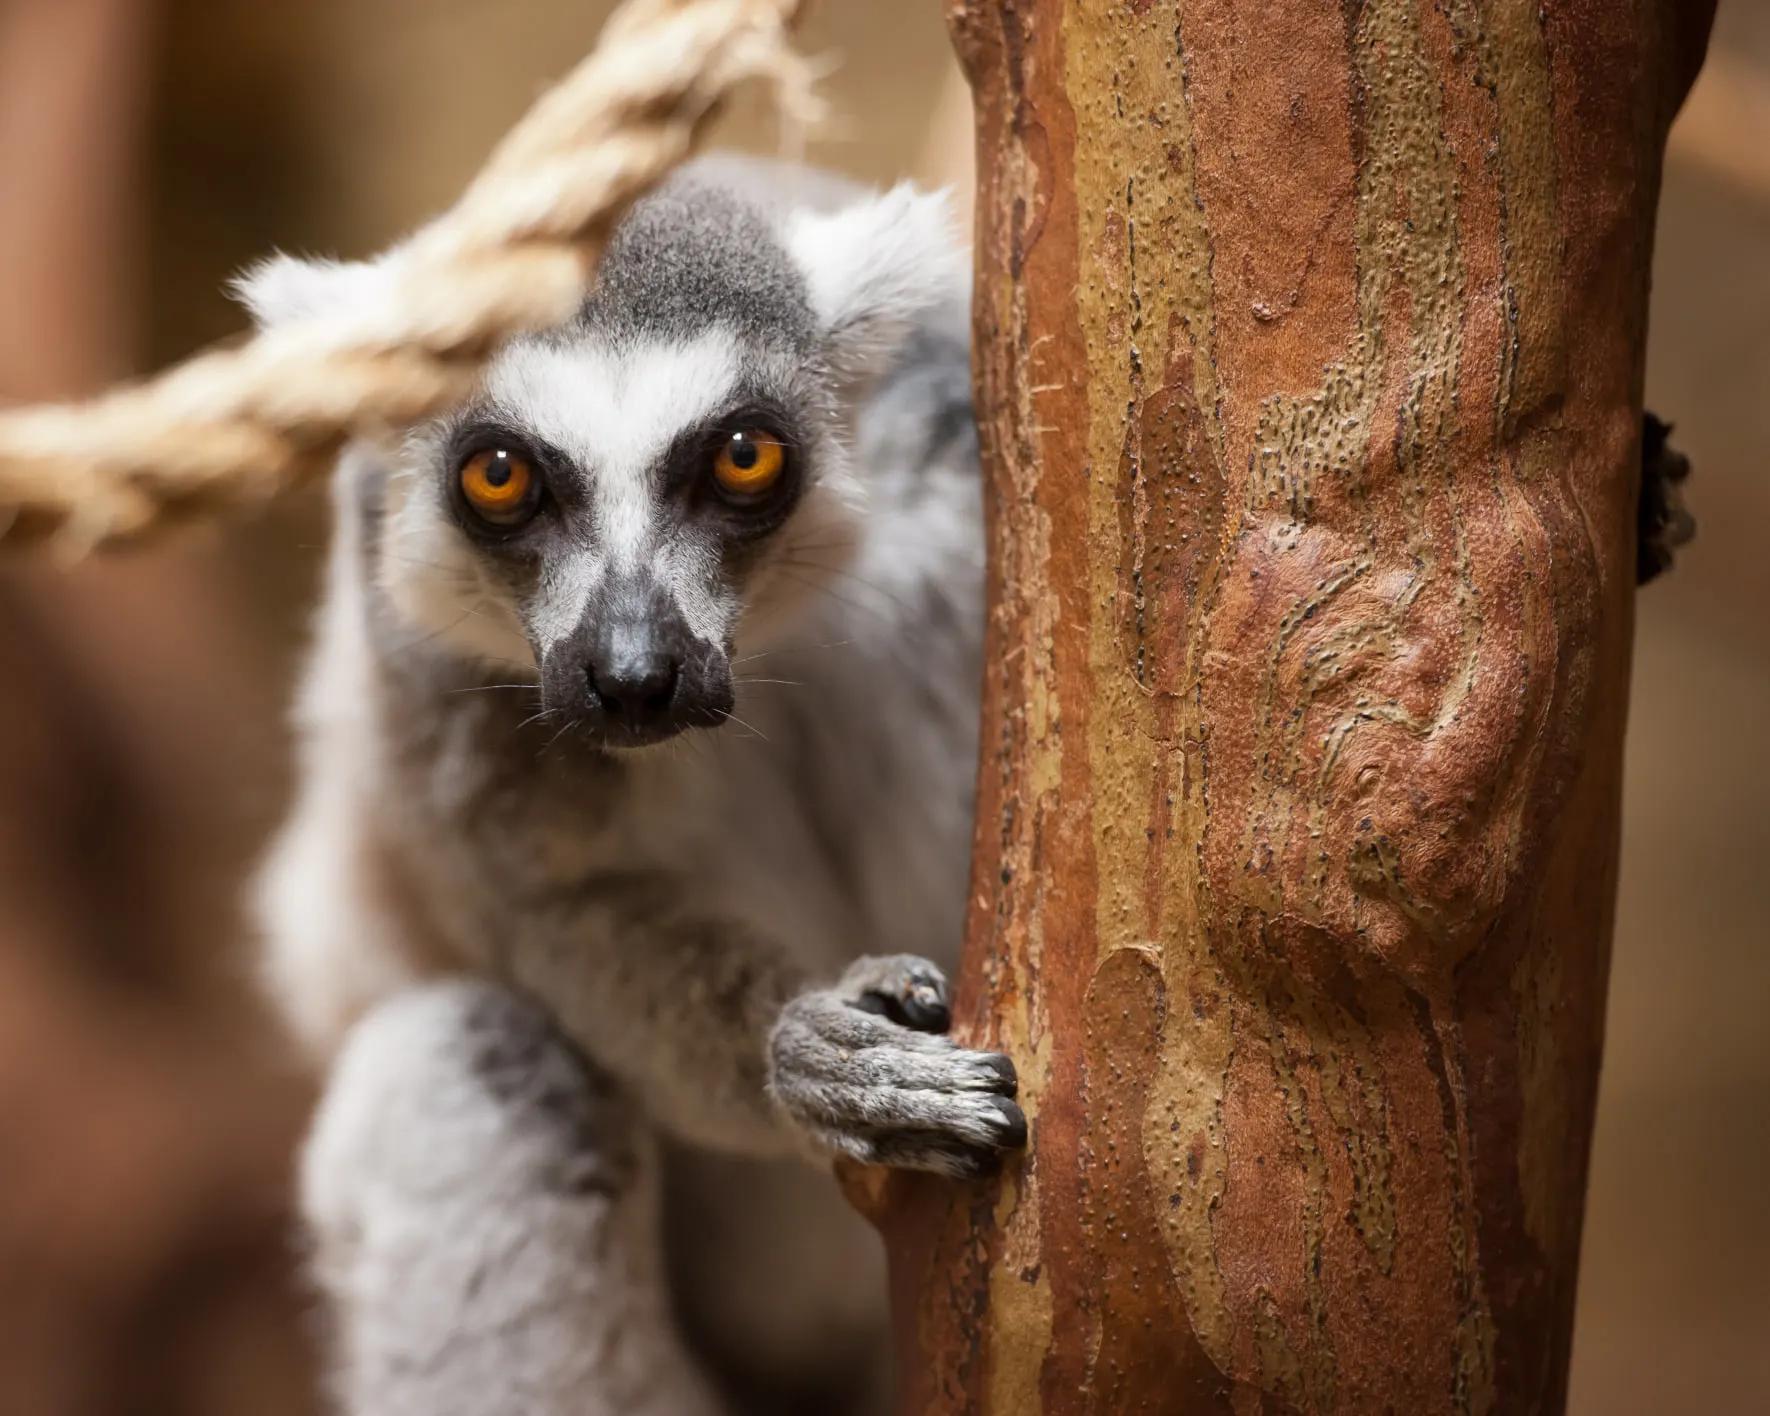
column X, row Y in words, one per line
column 749, row 463
column 499, row 485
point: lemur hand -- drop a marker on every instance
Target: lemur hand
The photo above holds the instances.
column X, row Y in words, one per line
column 864, row 1069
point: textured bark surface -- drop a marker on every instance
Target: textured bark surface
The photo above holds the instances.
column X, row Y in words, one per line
column 1309, row 372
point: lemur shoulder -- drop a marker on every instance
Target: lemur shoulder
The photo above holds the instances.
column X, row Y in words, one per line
column 634, row 805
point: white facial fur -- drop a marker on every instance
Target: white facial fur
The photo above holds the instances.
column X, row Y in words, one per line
column 615, row 413
column 613, row 405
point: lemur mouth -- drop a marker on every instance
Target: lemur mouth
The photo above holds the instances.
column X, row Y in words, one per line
column 634, row 737
column 628, row 733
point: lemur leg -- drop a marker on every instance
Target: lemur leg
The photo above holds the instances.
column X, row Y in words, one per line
column 484, row 1207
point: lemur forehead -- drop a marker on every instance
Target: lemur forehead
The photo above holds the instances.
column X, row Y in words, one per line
column 695, row 255
column 613, row 406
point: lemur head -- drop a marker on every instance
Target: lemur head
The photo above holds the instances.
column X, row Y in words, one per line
column 629, row 495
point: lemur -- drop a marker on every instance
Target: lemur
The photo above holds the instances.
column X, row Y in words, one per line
column 633, row 817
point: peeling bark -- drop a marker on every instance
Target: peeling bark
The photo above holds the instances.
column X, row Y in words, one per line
column 1309, row 345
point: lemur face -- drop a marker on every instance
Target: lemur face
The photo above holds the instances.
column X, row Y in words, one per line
column 632, row 492
column 630, row 498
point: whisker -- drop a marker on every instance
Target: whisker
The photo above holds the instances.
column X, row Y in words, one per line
column 855, row 578
column 790, row 649
column 733, row 717
column 424, row 639
column 689, row 743
column 458, row 572
column 846, row 600
column 504, row 663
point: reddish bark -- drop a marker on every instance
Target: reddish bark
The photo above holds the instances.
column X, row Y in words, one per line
column 1309, row 372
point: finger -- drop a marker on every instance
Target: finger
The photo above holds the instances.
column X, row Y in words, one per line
column 974, row 1118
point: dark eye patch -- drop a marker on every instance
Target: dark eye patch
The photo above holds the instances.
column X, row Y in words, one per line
column 686, row 470
column 480, row 433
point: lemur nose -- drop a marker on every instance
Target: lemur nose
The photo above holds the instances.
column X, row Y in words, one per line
column 639, row 689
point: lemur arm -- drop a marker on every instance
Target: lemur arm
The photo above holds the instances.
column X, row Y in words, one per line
column 677, row 1006
column 728, row 1046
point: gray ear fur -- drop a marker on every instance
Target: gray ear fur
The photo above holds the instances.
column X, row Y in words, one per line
column 874, row 268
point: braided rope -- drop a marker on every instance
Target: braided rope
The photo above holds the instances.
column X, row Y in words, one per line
column 515, row 254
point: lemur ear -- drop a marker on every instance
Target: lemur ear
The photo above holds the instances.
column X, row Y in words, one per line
column 282, row 288
column 874, row 267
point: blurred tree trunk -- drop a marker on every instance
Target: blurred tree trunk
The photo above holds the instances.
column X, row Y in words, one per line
column 1309, row 347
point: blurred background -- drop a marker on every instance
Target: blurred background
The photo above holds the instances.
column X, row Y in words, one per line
column 148, row 148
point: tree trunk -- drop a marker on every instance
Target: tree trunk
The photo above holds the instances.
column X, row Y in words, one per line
column 1309, row 343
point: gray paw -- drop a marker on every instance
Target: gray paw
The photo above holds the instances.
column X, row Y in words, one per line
column 863, row 1069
